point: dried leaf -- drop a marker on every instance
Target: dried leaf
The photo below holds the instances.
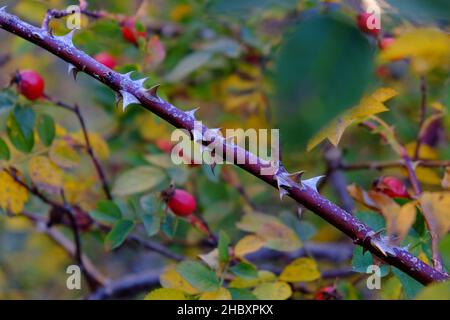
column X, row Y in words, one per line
column 435, row 207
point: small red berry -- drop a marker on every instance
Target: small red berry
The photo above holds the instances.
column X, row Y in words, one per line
column 392, row 187
column 365, row 23
column 327, row 293
column 30, row 84
column 129, row 32
column 106, row 59
column 164, row 145
column 182, row 203
column 385, row 42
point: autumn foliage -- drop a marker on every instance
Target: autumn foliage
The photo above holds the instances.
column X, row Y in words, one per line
column 86, row 179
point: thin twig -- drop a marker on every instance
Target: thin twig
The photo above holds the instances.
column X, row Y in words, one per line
column 380, row 165
column 59, row 238
column 98, row 167
column 423, row 113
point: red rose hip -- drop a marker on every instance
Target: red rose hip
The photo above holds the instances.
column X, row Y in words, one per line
column 367, row 23
column 392, row 187
column 106, row 59
column 182, row 203
column 129, row 32
column 30, row 84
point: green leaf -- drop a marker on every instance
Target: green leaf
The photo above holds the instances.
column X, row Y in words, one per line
column 423, row 10
column 411, row 287
column 242, row 7
column 152, row 223
column 19, row 127
column 189, row 64
column 361, row 261
column 7, row 99
column 241, row 294
column 169, row 225
column 106, row 212
column 444, row 248
column 244, row 270
column 322, row 69
column 118, row 234
column 372, row 219
column 137, row 180
column 198, row 276
column 224, row 242
column 46, row 129
column 4, row 150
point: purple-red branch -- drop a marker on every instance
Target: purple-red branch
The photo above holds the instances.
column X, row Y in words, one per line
column 307, row 197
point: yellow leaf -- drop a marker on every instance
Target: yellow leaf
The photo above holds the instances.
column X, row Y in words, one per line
column 277, row 235
column 423, row 257
column 301, row 269
column 398, row 219
column 368, row 106
column 248, row 244
column 435, row 291
column 428, row 176
column 435, row 207
column 263, row 276
column 221, row 294
column 152, row 128
column 446, row 180
column 64, row 155
column 45, row 174
column 165, row 294
column 98, row 144
column 425, row 151
column 273, row 291
column 171, row 279
column 180, row 12
column 427, row 48
column 13, row 196
column 244, row 91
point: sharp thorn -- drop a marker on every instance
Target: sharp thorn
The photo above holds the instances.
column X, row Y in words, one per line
column 68, row 38
column 140, row 82
column 312, row 183
column 153, row 91
column 3, row 8
column 191, row 113
column 127, row 99
column 72, row 70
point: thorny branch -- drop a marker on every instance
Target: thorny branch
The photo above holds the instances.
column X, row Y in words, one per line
column 132, row 92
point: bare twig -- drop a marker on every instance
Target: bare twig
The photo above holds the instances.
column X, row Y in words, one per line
column 127, row 286
column 337, row 179
column 423, row 113
column 59, row 238
column 380, row 165
column 304, row 195
column 98, row 167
